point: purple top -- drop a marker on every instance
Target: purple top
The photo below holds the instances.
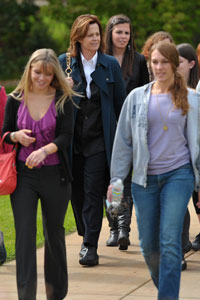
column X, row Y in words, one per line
column 168, row 149
column 43, row 130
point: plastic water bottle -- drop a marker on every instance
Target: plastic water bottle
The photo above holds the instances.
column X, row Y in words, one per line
column 117, row 192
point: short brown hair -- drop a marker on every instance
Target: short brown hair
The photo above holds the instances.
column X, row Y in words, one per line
column 79, row 30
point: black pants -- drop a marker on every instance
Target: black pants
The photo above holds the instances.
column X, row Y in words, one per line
column 32, row 184
column 185, row 232
column 195, row 200
column 186, row 224
column 88, row 188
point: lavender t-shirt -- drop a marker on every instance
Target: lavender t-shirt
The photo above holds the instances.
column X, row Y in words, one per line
column 168, row 148
column 43, row 130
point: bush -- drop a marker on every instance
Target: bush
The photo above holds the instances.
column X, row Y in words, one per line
column 24, row 33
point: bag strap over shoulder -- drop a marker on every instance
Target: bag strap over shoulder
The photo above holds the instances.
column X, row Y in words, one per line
column 68, row 69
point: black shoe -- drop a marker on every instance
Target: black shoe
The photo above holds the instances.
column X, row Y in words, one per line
column 90, row 258
column 188, row 247
column 123, row 240
column 184, row 264
column 196, row 243
column 83, row 250
column 3, row 253
column 113, row 239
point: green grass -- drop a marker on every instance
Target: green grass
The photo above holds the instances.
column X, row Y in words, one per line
column 9, row 89
column 7, row 225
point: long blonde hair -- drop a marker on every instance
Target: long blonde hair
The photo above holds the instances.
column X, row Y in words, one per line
column 47, row 57
column 178, row 89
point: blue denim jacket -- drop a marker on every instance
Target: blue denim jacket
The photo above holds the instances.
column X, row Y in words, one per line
column 131, row 146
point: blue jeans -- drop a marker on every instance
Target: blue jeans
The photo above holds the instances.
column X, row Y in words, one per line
column 160, row 210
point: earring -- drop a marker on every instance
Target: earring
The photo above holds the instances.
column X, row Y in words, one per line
column 129, row 47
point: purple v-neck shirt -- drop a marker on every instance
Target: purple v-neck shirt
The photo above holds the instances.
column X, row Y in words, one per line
column 168, row 149
column 43, row 130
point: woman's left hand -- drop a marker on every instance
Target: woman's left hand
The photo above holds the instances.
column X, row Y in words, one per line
column 35, row 158
column 198, row 203
column 109, row 193
column 70, row 81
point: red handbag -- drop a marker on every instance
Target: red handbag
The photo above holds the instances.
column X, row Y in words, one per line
column 8, row 173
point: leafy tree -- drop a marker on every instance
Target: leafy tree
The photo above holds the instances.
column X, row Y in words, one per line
column 22, row 31
column 26, row 27
column 179, row 17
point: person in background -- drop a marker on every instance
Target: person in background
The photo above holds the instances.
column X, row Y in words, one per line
column 39, row 116
column 153, row 39
column 120, row 44
column 98, row 78
column 198, row 56
column 188, row 67
column 3, row 99
column 158, row 133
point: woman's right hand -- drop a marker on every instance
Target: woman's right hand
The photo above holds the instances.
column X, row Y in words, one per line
column 22, row 136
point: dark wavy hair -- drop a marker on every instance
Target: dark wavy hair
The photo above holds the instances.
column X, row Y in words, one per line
column 188, row 52
column 127, row 63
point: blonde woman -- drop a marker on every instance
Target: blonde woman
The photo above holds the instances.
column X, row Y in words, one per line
column 39, row 115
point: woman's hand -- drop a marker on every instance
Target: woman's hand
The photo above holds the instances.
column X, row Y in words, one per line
column 109, row 193
column 70, row 82
column 198, row 203
column 22, row 136
column 35, row 158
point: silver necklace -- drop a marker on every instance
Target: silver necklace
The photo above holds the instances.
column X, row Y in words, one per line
column 164, row 121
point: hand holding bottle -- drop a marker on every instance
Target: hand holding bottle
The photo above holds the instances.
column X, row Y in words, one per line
column 114, row 197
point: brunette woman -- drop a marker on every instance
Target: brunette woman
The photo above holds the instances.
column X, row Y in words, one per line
column 188, row 67
column 120, row 43
column 98, row 78
column 158, row 133
column 39, row 115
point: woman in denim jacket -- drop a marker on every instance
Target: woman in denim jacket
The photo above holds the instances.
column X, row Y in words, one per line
column 159, row 133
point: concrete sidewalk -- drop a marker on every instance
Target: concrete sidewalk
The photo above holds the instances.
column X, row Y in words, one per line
column 120, row 274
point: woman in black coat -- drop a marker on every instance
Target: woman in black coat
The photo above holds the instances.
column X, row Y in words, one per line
column 97, row 77
column 120, row 44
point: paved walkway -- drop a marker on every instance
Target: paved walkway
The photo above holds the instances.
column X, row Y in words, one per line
column 120, row 274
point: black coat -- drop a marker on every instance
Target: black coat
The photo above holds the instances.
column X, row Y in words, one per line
column 140, row 75
column 107, row 76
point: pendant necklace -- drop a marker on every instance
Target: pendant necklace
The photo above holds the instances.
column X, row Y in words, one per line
column 165, row 127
